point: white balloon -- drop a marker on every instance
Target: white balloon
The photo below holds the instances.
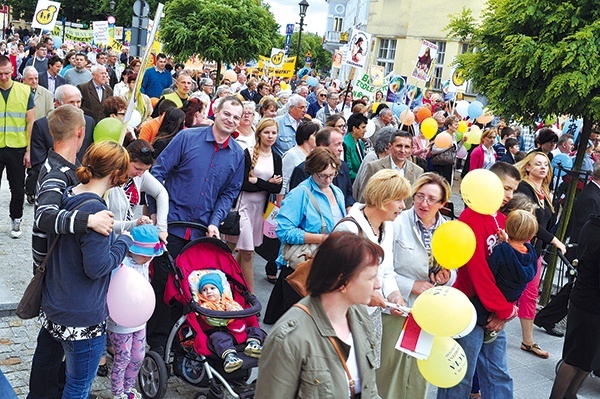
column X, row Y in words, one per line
column 462, row 108
column 370, row 129
column 136, row 119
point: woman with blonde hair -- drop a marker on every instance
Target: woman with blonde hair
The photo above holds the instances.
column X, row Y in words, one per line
column 536, row 175
column 262, row 178
column 384, row 200
column 417, row 271
column 484, row 156
column 245, row 131
column 74, row 309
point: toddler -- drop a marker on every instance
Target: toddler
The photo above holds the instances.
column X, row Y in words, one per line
column 222, row 342
column 513, row 263
column 130, row 343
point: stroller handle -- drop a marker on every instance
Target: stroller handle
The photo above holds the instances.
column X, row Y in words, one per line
column 254, row 309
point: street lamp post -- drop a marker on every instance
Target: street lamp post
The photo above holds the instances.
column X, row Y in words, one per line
column 112, row 5
column 303, row 6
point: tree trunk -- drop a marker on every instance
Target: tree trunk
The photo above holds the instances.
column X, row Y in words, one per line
column 563, row 223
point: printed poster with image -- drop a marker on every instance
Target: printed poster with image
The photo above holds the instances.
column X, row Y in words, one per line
column 359, row 49
column 396, row 91
column 45, row 15
column 425, row 61
column 376, row 73
column 336, row 60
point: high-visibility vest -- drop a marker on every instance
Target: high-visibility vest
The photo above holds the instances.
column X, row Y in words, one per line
column 13, row 117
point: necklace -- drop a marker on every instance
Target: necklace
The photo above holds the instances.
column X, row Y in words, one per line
column 378, row 235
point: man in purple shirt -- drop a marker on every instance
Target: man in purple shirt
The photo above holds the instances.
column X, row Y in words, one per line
column 202, row 170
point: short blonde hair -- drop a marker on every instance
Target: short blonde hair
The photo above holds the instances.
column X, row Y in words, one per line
column 487, row 133
column 521, row 225
column 433, row 178
column 385, row 186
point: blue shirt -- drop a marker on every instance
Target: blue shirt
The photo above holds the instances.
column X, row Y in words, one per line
column 298, row 215
column 154, row 82
column 286, row 134
column 202, row 178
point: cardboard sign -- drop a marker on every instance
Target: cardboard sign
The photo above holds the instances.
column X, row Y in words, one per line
column 359, row 49
column 425, row 61
column 45, row 14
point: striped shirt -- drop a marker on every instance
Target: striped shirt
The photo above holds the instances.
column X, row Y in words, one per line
column 55, row 176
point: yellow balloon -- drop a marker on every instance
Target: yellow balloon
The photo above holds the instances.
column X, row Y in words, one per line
column 429, row 128
column 443, row 311
column 374, row 107
column 482, row 191
column 453, row 244
column 474, row 135
column 284, row 86
column 463, row 126
column 446, row 365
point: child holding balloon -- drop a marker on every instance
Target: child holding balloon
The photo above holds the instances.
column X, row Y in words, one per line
column 129, row 343
column 513, row 263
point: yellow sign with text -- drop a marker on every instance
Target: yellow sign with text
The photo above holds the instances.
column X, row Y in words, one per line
column 286, row 71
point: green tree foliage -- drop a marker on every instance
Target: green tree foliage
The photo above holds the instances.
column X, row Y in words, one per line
column 536, row 58
column 73, row 10
column 321, row 58
column 124, row 10
column 224, row 31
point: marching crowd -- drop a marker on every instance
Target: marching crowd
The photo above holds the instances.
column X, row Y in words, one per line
column 355, row 183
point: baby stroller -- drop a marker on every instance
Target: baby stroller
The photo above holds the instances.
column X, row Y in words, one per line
column 187, row 354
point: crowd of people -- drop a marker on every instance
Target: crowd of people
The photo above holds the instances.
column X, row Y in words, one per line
column 363, row 207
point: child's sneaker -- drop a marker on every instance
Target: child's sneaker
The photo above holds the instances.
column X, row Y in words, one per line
column 121, row 396
column 489, row 336
column 232, row 362
column 253, row 349
column 133, row 394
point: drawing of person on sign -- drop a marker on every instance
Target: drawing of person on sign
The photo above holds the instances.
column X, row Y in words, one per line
column 358, row 49
column 425, row 59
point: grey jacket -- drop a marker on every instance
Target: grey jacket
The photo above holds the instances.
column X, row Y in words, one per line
column 299, row 361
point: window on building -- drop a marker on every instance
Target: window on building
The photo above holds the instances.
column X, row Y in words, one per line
column 439, row 65
column 337, row 24
column 386, row 54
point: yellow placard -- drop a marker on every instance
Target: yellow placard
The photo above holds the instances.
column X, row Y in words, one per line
column 286, row 71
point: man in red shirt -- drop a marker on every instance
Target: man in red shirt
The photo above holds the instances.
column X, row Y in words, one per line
column 476, row 278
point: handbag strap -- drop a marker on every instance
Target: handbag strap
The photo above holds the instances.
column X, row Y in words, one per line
column 350, row 219
column 351, row 382
column 42, row 268
column 313, row 201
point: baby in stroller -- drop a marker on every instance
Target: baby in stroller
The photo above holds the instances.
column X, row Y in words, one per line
column 211, row 296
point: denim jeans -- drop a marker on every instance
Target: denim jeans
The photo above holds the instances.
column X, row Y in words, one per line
column 492, row 370
column 82, row 358
column 46, row 379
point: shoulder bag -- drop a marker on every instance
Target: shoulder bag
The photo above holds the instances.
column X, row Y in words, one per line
column 231, row 224
column 445, row 157
column 297, row 280
column 29, row 305
column 294, row 254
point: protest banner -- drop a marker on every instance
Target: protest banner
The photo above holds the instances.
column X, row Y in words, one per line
column 425, row 61
column 359, row 49
column 45, row 15
column 101, row 32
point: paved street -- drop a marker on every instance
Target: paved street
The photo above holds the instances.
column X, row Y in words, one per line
column 532, row 376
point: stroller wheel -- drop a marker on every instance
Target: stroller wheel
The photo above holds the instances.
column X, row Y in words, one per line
column 153, row 376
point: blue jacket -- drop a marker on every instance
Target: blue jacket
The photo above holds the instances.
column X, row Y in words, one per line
column 286, row 134
column 202, row 179
column 298, row 215
column 512, row 270
column 78, row 272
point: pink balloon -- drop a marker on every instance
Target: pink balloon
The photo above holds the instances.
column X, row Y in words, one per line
column 407, row 117
column 130, row 298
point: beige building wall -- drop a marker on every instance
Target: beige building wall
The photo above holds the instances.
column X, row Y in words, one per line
column 409, row 22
